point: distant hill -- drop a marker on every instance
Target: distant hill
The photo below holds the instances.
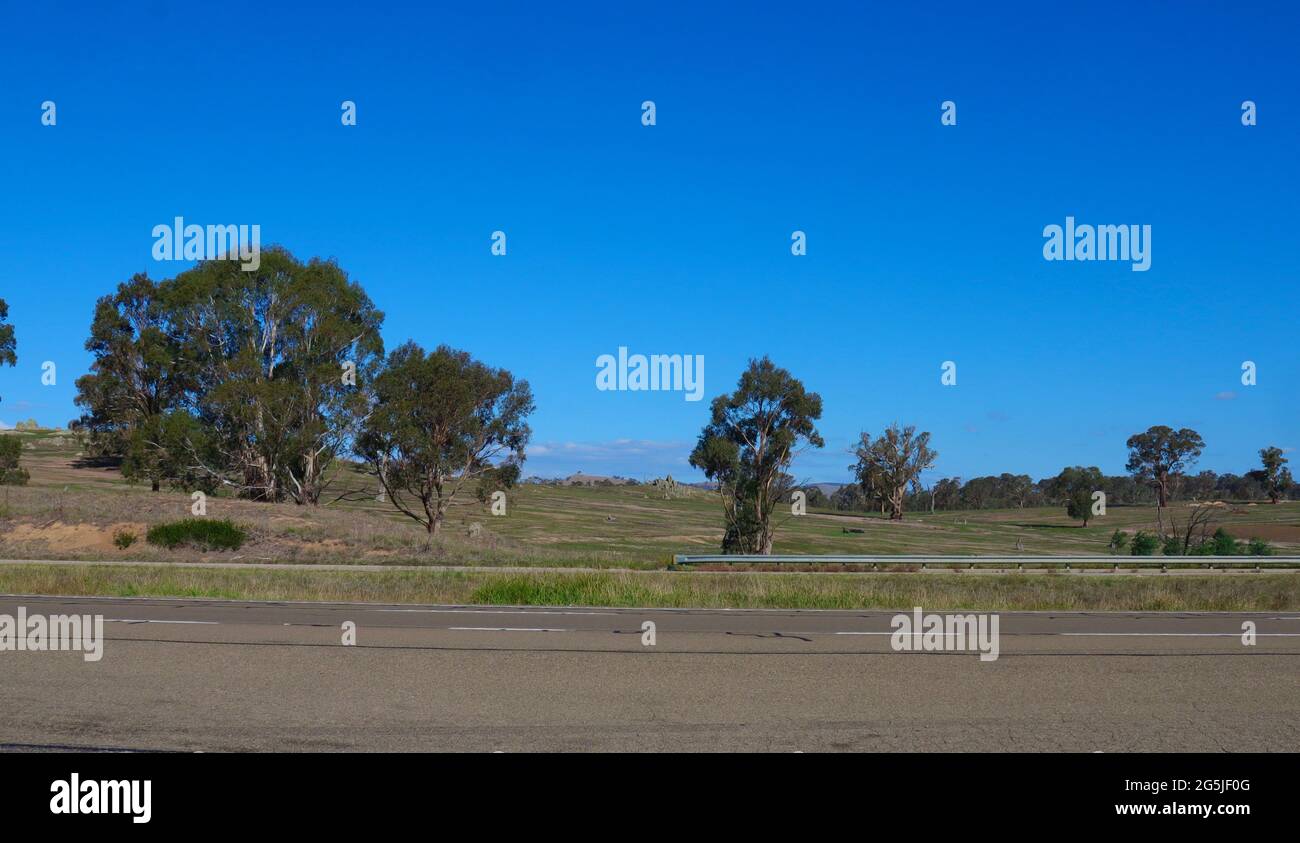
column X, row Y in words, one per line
column 580, row 479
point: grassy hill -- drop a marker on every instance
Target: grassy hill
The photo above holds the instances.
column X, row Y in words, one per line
column 74, row 508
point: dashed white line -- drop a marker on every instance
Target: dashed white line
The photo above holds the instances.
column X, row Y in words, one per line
column 1174, row 634
column 503, row 629
column 137, row 620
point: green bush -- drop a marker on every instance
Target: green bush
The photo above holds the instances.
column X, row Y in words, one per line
column 1172, row 547
column 1259, row 547
column 11, row 450
column 202, row 533
column 124, row 538
column 1143, row 544
column 1118, row 541
column 1224, row 544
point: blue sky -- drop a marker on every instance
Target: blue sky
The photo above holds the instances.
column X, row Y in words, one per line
column 924, row 241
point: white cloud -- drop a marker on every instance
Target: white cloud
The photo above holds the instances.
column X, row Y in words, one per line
column 613, row 449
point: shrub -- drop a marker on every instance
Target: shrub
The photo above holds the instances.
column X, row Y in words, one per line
column 1118, row 541
column 1172, row 547
column 203, row 533
column 124, row 538
column 1143, row 544
column 1259, row 547
column 1224, row 544
column 11, row 449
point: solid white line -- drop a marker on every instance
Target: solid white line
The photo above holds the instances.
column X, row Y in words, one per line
column 504, row 629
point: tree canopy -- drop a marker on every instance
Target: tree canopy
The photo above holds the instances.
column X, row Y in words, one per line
column 1160, row 454
column 891, row 464
column 749, row 442
column 254, row 381
column 8, row 345
column 439, row 421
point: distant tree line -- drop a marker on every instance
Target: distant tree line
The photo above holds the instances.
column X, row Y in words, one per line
column 754, row 433
column 1018, row 491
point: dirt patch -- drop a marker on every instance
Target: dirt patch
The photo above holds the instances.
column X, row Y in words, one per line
column 74, row 537
column 1288, row 533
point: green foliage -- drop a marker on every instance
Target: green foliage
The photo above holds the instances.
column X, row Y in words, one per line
column 441, row 420
column 1118, row 541
column 1172, row 546
column 1259, row 547
column 254, row 380
column 8, row 345
column 1222, row 543
column 201, row 533
column 500, row 479
column 1162, row 453
column 11, row 450
column 1143, row 544
column 1078, row 484
column 892, row 464
column 815, row 496
column 747, row 446
column 124, row 539
column 1275, row 476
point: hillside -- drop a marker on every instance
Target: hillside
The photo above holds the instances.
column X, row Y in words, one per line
column 73, row 508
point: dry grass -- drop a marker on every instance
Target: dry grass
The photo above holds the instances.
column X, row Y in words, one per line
column 72, row 510
column 1262, row 592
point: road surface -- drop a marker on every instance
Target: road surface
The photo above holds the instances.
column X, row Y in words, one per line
column 200, row 675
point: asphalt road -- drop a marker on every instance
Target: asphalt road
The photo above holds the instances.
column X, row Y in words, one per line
column 197, row 675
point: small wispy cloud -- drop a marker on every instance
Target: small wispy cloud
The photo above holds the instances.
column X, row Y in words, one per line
column 612, row 449
column 1225, row 396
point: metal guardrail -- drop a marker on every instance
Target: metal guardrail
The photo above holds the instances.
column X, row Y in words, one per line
column 999, row 562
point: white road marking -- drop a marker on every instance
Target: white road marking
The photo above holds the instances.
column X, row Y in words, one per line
column 136, row 620
column 1175, row 634
column 503, row 629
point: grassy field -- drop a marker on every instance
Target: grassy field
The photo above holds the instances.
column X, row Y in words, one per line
column 650, row 589
column 73, row 510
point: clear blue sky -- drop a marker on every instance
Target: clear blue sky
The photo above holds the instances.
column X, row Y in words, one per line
column 924, row 241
